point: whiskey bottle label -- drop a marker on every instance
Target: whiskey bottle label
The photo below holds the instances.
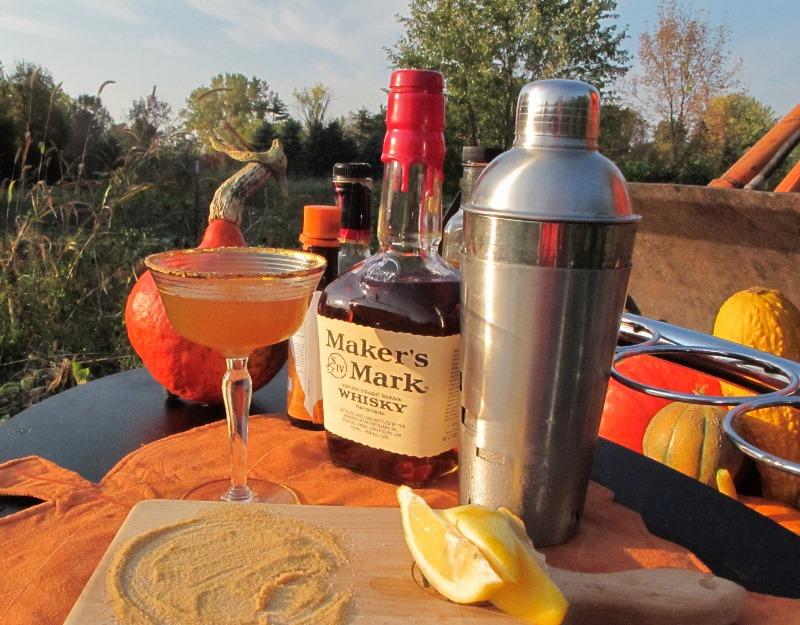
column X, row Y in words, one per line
column 304, row 399
column 390, row 390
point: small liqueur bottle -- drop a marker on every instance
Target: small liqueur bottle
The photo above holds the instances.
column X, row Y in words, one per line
column 304, row 394
column 353, row 187
column 389, row 328
column 474, row 160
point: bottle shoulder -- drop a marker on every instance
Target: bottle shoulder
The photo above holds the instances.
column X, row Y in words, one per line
column 418, row 295
column 399, row 268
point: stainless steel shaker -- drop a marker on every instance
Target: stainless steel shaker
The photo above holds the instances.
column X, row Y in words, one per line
column 549, row 236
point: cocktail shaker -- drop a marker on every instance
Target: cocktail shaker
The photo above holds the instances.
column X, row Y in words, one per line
column 549, row 235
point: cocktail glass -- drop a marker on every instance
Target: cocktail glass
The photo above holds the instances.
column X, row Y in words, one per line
column 235, row 300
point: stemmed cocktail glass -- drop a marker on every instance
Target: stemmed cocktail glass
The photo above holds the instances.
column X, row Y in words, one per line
column 235, row 300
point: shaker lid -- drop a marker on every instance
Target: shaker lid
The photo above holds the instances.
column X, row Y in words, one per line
column 566, row 109
column 554, row 171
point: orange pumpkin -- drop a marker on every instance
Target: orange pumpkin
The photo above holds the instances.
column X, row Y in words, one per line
column 689, row 438
column 627, row 412
column 184, row 368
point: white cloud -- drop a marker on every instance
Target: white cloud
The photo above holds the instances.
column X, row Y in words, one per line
column 121, row 10
column 167, row 46
column 347, row 29
column 20, row 25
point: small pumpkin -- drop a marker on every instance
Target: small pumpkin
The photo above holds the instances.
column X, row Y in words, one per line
column 689, row 438
column 627, row 412
column 767, row 320
column 186, row 369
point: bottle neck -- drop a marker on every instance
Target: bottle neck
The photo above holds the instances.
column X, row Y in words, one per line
column 329, row 251
column 353, row 198
column 410, row 219
column 472, row 172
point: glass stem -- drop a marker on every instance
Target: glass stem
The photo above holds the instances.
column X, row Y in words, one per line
column 237, row 389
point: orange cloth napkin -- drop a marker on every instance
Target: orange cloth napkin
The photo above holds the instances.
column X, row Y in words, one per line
column 48, row 552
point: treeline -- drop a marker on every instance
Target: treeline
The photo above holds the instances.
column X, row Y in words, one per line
column 47, row 135
column 727, row 127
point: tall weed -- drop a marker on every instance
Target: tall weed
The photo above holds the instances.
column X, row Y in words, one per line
column 70, row 254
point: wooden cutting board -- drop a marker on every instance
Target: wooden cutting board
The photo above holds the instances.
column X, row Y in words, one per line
column 386, row 593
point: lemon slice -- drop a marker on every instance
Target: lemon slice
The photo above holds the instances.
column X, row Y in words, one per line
column 534, row 597
column 450, row 562
column 527, row 591
column 491, row 533
column 471, row 553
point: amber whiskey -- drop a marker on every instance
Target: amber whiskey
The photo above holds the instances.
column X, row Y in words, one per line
column 389, row 327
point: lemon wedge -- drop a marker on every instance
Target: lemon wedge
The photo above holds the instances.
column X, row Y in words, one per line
column 534, row 597
column 490, row 532
column 450, row 562
column 436, row 541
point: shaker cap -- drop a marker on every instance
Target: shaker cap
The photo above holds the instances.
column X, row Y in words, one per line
column 558, row 112
column 554, row 171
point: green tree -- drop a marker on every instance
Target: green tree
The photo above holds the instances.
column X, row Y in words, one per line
column 313, row 103
column 91, row 148
column 263, row 136
column 684, row 64
column 367, row 130
column 326, row 145
column 488, row 49
column 623, row 139
column 8, row 131
column 290, row 134
column 40, row 111
column 232, row 99
column 621, row 130
column 149, row 118
column 277, row 109
column 731, row 124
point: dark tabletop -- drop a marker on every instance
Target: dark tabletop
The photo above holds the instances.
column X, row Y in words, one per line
column 88, row 429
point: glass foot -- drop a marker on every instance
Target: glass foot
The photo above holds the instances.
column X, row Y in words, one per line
column 262, row 491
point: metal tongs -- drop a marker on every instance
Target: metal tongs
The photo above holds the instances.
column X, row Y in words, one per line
column 775, row 380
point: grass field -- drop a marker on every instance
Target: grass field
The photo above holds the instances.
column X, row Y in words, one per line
column 69, row 257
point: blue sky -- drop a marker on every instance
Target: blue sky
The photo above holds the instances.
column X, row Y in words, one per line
column 178, row 45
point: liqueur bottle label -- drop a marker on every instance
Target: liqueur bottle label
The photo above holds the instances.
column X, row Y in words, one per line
column 390, row 390
column 305, row 385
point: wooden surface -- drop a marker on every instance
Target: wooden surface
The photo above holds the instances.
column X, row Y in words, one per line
column 697, row 246
column 380, row 571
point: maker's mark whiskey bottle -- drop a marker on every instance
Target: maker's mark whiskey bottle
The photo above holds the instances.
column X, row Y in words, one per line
column 389, row 328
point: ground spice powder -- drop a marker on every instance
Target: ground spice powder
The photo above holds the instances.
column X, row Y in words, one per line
column 234, row 564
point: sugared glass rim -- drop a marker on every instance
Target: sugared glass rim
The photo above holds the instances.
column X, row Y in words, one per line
column 152, row 262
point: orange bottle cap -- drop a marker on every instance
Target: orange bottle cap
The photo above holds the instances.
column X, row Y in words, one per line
column 321, row 225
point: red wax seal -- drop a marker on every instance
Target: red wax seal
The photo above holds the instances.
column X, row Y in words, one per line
column 415, row 121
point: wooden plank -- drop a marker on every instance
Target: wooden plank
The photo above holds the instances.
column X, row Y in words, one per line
column 380, row 572
column 379, row 567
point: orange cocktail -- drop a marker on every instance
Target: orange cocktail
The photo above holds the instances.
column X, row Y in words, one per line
column 233, row 326
column 234, row 300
